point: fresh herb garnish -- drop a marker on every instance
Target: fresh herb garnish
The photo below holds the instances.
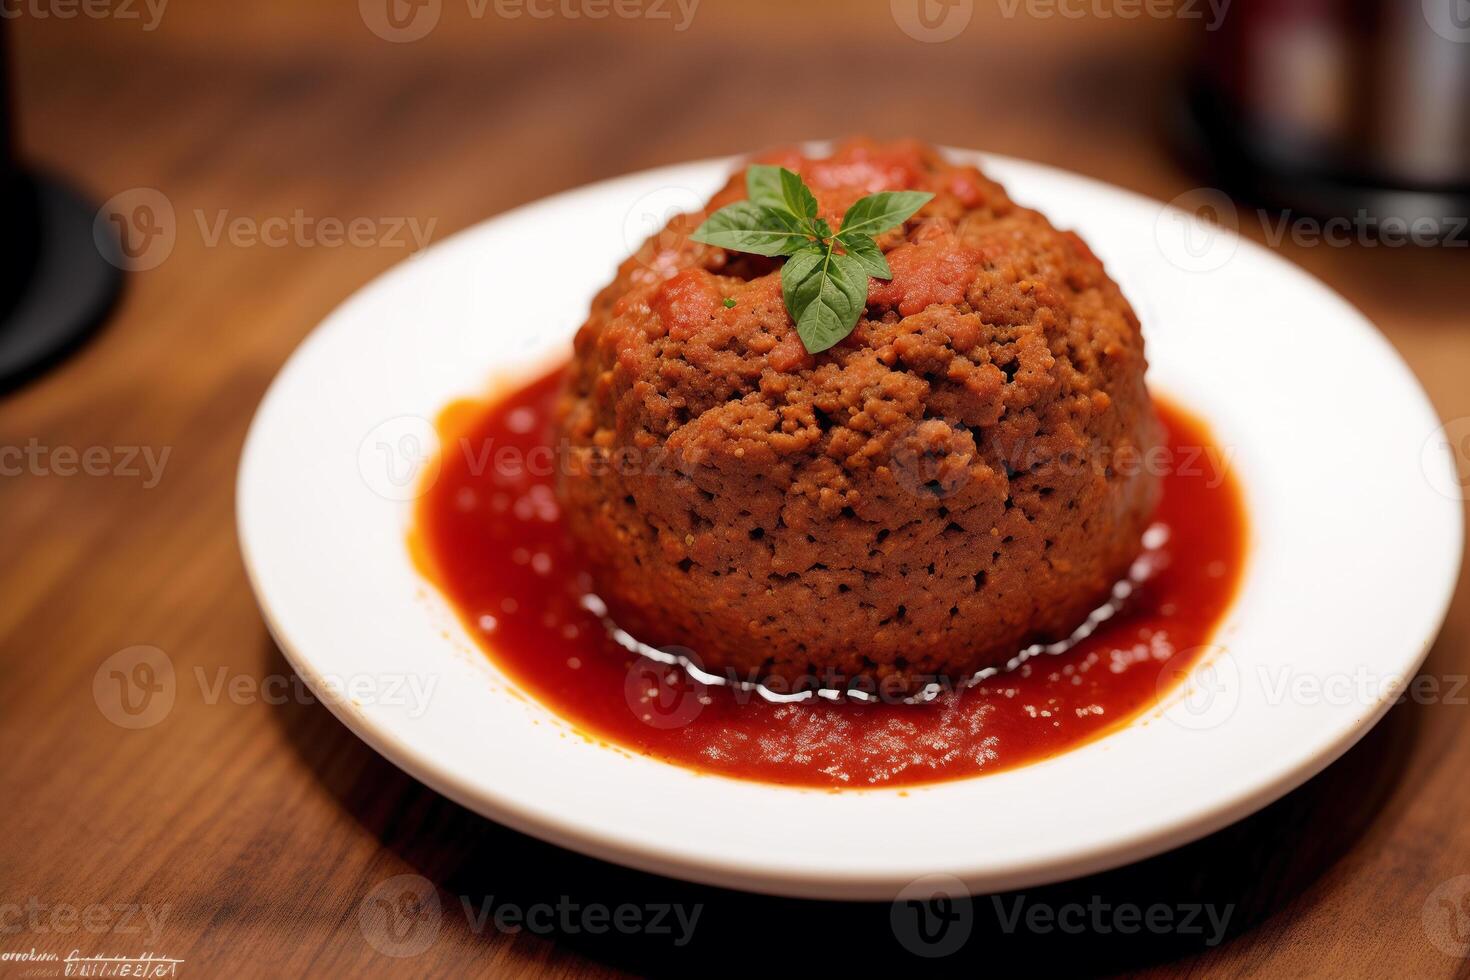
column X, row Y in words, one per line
column 729, row 302
column 825, row 279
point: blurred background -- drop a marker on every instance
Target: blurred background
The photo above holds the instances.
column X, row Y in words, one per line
column 156, row 144
column 457, row 109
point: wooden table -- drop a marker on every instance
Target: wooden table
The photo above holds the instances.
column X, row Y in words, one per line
column 257, row 831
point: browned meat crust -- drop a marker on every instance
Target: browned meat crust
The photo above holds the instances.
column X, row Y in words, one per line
column 957, row 479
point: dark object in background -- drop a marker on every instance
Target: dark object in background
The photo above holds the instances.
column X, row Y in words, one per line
column 19, row 207
column 1334, row 108
column 56, row 285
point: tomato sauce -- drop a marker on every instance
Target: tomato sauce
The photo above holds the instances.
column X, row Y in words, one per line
column 489, row 533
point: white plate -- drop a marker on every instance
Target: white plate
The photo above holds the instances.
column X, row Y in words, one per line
column 1353, row 560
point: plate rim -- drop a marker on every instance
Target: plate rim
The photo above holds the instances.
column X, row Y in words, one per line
column 834, row 882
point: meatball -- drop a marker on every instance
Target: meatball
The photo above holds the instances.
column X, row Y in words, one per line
column 961, row 477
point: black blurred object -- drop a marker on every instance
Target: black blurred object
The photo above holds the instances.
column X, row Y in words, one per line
column 57, row 285
column 1341, row 108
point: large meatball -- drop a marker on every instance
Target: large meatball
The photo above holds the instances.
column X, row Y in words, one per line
column 959, row 478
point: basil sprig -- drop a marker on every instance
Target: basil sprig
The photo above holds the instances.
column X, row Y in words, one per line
column 825, row 279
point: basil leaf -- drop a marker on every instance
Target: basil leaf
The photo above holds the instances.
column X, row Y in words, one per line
column 852, row 278
column 866, row 251
column 800, row 201
column 747, row 227
column 825, row 293
column 763, row 186
column 877, row 213
column 800, row 269
column 783, row 220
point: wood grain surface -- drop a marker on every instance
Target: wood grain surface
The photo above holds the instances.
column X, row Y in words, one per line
column 259, row 836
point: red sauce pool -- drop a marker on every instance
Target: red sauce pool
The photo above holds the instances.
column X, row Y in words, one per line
column 489, row 533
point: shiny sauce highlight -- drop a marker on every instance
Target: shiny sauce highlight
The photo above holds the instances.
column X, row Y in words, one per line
column 489, row 533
